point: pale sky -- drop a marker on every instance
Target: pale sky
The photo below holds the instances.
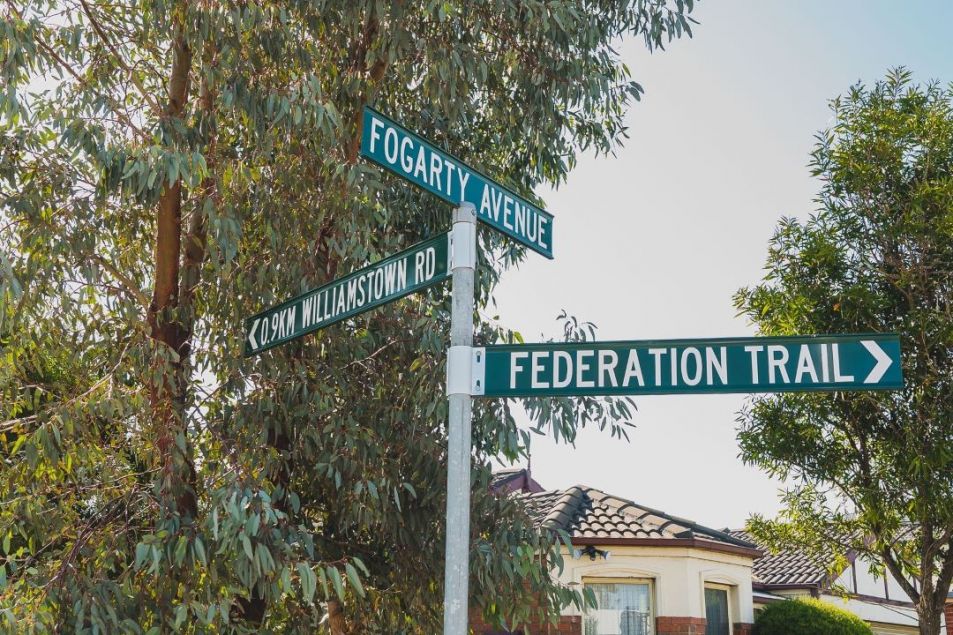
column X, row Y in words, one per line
column 654, row 242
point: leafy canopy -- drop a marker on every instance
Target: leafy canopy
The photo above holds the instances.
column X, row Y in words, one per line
column 872, row 472
column 168, row 168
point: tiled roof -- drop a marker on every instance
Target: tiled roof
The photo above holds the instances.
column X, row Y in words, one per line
column 501, row 477
column 590, row 515
column 785, row 568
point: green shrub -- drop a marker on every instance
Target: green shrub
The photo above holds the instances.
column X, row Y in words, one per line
column 808, row 617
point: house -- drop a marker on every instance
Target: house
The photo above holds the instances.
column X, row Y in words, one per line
column 877, row 600
column 657, row 574
column 652, row 573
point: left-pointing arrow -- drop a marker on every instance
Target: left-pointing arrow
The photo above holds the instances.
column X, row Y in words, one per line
column 251, row 334
column 883, row 361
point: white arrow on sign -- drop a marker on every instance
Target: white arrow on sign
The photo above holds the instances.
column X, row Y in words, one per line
column 883, row 361
column 251, row 334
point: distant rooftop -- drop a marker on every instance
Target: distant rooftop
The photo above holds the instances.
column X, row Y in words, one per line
column 514, row 479
column 787, row 568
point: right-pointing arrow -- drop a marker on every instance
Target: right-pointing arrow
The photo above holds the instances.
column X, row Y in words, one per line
column 251, row 334
column 883, row 361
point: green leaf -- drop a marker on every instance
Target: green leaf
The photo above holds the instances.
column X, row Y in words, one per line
column 199, row 548
column 306, row 578
column 335, row 576
column 142, row 552
column 354, row 579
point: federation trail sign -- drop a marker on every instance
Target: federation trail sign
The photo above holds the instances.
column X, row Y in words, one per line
column 730, row 365
column 402, row 152
column 393, row 277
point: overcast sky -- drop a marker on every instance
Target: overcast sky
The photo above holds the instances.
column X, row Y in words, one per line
column 654, row 242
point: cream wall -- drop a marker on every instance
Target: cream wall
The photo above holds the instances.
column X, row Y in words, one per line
column 678, row 574
column 869, row 584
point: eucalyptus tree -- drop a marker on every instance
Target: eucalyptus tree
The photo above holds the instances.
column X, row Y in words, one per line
column 170, row 167
column 870, row 472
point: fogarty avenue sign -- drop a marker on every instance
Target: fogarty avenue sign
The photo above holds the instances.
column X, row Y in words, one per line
column 392, row 146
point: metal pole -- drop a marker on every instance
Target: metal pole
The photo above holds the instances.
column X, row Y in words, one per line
column 459, row 390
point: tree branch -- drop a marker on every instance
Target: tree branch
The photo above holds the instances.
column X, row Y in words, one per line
column 119, row 60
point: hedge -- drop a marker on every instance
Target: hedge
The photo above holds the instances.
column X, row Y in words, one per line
column 808, row 617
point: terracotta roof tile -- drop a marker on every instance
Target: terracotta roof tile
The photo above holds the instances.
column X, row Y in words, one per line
column 588, row 513
column 785, row 568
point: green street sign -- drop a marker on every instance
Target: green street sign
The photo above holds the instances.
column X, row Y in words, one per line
column 392, row 146
column 728, row 365
column 393, row 277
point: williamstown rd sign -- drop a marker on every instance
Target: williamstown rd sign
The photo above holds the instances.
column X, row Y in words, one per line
column 392, row 146
column 393, row 277
column 731, row 365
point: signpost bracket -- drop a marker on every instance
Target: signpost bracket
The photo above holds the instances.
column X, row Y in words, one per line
column 478, row 371
column 460, row 370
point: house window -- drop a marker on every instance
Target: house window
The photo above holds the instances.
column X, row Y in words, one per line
column 623, row 607
column 717, row 611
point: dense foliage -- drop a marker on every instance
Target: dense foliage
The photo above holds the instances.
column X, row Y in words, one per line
column 168, row 168
column 808, row 617
column 870, row 472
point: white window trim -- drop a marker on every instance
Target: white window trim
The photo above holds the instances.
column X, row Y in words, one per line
column 603, row 579
column 728, row 589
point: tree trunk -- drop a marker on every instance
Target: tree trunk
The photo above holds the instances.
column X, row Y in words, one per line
column 166, row 389
column 336, row 620
column 928, row 613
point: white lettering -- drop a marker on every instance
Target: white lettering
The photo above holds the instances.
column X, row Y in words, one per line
column 418, row 267
column 406, row 161
column 390, row 145
column 754, row 350
column 462, row 176
column 657, row 354
column 717, row 364
column 805, row 365
column 692, row 380
column 777, row 358
column 376, row 125
column 306, row 311
column 541, row 221
column 485, row 201
column 515, row 357
column 835, row 352
column 582, row 367
column 352, row 294
column 436, row 167
column 536, row 382
column 507, row 212
column 608, row 360
column 633, row 368
column 564, row 359
column 420, row 171
column 402, row 274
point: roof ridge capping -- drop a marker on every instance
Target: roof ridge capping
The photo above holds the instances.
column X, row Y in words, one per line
column 565, row 507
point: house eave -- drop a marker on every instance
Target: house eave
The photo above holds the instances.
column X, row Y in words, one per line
column 693, row 543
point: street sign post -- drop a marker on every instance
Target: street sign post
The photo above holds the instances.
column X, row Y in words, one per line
column 392, row 146
column 728, row 365
column 393, row 277
column 457, row 552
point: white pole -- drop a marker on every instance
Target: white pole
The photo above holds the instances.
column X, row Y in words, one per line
column 459, row 390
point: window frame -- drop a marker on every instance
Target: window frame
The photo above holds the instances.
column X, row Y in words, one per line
column 650, row 582
column 727, row 588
